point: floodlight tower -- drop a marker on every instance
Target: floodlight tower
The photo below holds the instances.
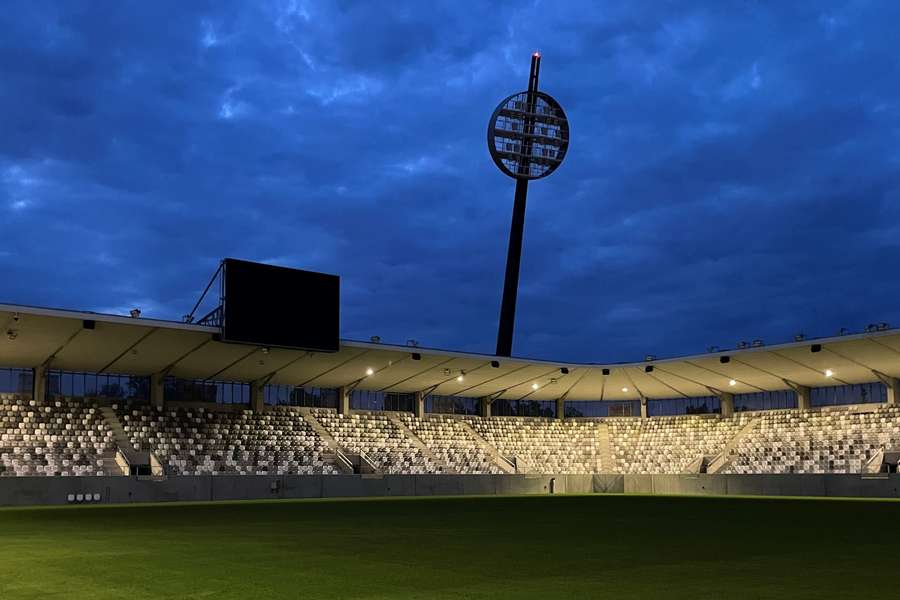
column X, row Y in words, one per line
column 528, row 136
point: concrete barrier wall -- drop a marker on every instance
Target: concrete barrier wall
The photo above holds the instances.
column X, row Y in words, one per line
column 23, row 491
column 830, row 485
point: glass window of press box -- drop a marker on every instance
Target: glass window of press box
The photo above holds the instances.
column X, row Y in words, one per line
column 451, row 405
column 97, row 385
column 702, row 405
column 603, row 408
column 523, row 408
column 371, row 400
column 860, row 393
column 215, row 392
column 776, row 400
column 289, row 395
column 16, row 381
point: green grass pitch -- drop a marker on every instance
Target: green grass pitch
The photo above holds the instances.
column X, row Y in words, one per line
column 545, row 547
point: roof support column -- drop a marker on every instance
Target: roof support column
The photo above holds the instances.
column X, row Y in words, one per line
column 560, row 408
column 343, row 398
column 485, row 407
column 419, row 406
column 803, row 397
column 893, row 391
column 892, row 385
column 257, row 396
column 726, row 401
column 643, row 407
column 157, row 390
column 39, row 383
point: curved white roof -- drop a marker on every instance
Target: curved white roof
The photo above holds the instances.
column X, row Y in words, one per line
column 116, row 344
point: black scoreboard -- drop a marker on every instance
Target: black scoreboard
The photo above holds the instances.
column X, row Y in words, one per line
column 267, row 305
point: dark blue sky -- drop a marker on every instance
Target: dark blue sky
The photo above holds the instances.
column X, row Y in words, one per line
column 733, row 174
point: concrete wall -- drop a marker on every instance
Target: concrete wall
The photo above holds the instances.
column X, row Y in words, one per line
column 880, row 486
column 23, row 491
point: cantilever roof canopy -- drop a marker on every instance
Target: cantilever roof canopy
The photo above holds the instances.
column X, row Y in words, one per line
column 91, row 342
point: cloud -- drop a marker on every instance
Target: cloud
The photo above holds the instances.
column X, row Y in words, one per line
column 732, row 172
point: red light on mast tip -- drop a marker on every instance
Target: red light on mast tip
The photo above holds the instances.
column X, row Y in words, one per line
column 536, row 54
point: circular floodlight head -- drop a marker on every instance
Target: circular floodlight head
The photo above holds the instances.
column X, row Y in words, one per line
column 528, row 135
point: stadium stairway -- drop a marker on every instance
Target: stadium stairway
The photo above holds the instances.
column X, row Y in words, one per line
column 604, row 448
column 341, row 460
column 721, row 461
column 123, row 445
column 110, row 464
column 489, row 450
column 875, row 464
column 395, row 419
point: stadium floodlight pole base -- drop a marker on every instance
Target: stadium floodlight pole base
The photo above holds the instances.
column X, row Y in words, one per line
column 511, row 281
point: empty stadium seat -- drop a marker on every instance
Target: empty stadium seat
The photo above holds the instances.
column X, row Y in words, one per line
column 201, row 441
column 829, row 441
column 546, row 445
column 378, row 438
column 666, row 445
column 451, row 443
column 60, row 436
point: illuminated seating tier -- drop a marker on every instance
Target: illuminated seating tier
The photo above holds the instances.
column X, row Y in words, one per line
column 451, row 442
column 379, row 439
column 69, row 437
column 545, row 445
column 669, row 444
column 52, row 437
column 206, row 442
column 839, row 441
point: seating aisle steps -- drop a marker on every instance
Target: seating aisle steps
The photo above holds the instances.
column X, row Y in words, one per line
column 489, row 449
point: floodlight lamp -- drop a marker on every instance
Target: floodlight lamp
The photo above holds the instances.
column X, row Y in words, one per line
column 624, row 390
column 732, row 382
column 370, row 371
column 829, row 373
column 535, row 386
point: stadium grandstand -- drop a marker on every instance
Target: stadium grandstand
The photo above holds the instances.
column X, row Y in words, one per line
column 155, row 403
